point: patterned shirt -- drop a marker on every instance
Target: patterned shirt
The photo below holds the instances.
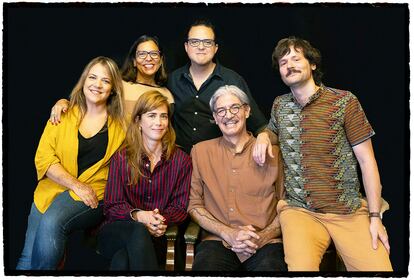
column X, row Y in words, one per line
column 316, row 141
column 166, row 188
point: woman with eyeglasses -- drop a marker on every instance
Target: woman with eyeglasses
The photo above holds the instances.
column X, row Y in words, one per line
column 143, row 70
column 72, row 162
column 147, row 190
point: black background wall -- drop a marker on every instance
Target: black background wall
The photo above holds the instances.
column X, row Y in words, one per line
column 364, row 50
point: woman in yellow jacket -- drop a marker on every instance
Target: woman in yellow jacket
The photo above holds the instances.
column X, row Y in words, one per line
column 72, row 165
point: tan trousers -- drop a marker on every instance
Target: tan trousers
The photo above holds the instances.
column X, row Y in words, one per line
column 307, row 235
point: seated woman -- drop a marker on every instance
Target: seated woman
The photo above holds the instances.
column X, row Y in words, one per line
column 143, row 70
column 147, row 190
column 72, row 165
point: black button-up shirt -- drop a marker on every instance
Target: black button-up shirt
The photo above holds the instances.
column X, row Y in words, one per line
column 193, row 119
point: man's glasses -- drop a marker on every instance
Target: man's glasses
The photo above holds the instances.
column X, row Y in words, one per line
column 144, row 54
column 234, row 109
column 208, row 43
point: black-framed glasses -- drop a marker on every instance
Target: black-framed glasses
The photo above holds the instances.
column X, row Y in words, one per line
column 208, row 43
column 234, row 109
column 144, row 54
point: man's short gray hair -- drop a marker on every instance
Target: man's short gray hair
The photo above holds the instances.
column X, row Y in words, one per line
column 228, row 89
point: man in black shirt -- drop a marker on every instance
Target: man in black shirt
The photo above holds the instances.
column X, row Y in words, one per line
column 193, row 85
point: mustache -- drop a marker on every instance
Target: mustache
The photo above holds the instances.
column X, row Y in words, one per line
column 291, row 71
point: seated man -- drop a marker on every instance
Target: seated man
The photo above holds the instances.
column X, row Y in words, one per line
column 232, row 198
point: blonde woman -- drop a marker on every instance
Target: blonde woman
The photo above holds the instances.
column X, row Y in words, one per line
column 147, row 190
column 72, row 165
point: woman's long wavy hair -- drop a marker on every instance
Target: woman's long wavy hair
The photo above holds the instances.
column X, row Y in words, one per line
column 135, row 148
column 130, row 72
column 114, row 103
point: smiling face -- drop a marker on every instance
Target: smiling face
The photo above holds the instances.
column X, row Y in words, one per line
column 231, row 125
column 201, row 55
column 97, row 86
column 154, row 124
column 295, row 69
column 147, row 66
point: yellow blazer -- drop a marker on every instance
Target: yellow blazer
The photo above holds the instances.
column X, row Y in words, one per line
column 59, row 144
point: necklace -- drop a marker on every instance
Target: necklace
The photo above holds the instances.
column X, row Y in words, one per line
column 144, row 84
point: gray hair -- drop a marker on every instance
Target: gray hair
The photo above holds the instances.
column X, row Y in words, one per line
column 228, row 89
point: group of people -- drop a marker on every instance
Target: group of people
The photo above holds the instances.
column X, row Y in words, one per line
column 133, row 152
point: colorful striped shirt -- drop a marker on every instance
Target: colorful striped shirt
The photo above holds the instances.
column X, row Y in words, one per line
column 166, row 188
column 316, row 141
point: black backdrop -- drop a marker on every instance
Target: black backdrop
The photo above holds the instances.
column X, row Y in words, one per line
column 364, row 49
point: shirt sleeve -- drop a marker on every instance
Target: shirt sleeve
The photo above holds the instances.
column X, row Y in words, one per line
column 256, row 121
column 272, row 125
column 356, row 124
column 46, row 150
column 176, row 210
column 196, row 190
column 116, row 205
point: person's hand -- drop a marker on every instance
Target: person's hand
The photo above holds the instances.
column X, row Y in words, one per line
column 262, row 146
column 377, row 230
column 240, row 240
column 61, row 106
column 248, row 238
column 86, row 194
column 153, row 221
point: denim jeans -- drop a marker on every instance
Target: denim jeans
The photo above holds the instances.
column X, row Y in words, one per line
column 129, row 246
column 211, row 255
column 47, row 233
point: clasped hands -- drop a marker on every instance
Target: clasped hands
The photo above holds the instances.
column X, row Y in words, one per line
column 153, row 221
column 244, row 240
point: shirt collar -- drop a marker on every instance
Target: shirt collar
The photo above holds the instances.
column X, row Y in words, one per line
column 216, row 72
column 231, row 147
column 312, row 98
column 145, row 158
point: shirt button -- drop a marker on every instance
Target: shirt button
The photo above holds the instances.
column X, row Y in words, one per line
column 149, row 197
column 194, row 129
column 234, row 171
column 195, row 113
column 147, row 165
column 150, row 181
column 196, row 96
column 231, row 209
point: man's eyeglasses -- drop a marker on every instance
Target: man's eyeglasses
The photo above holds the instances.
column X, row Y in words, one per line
column 144, row 54
column 208, row 43
column 234, row 109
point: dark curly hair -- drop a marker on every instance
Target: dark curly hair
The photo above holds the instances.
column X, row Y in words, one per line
column 311, row 54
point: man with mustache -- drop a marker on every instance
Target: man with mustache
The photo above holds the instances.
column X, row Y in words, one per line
column 193, row 85
column 323, row 134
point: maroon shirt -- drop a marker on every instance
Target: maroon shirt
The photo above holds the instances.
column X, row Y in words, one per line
column 166, row 188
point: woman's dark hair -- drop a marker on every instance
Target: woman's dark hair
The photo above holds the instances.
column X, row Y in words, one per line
column 309, row 52
column 130, row 72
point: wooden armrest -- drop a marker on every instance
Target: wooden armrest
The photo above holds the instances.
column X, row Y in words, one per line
column 171, row 232
column 190, row 236
column 191, row 233
column 171, row 235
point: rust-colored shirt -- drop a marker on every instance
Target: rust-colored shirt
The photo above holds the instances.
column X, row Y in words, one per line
column 232, row 187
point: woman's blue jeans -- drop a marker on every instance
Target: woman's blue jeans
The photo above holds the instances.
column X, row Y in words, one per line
column 47, row 233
